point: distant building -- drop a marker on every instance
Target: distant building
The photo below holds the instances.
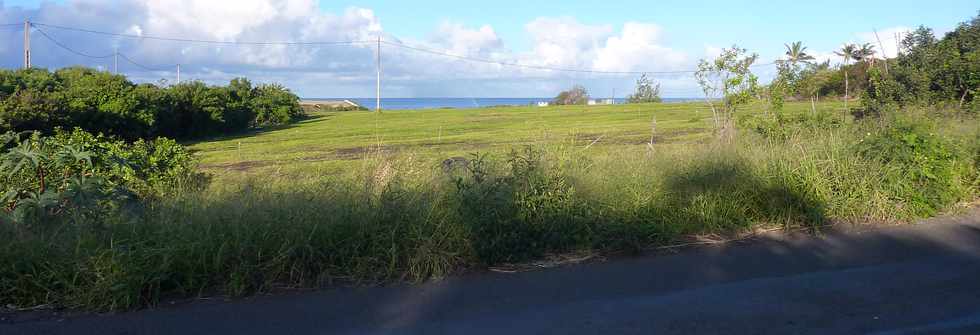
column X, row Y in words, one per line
column 591, row 102
column 330, row 105
column 608, row 102
column 543, row 104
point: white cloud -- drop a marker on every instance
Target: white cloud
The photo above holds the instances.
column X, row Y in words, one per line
column 459, row 40
column 638, row 48
column 564, row 42
column 888, row 37
column 335, row 70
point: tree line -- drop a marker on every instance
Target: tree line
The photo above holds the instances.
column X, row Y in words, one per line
column 926, row 70
column 101, row 102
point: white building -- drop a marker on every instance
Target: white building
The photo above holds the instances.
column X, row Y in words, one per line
column 543, row 104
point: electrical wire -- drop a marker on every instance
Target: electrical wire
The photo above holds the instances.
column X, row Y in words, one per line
column 59, row 44
column 144, row 67
column 189, row 40
column 399, row 45
column 539, row 67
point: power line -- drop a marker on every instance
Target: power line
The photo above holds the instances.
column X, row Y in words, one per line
column 539, row 67
column 144, row 67
column 189, row 40
column 399, row 45
column 59, row 44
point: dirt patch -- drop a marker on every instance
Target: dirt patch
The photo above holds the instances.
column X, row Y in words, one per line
column 239, row 166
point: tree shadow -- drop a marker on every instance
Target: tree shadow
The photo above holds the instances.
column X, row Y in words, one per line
column 317, row 118
column 727, row 194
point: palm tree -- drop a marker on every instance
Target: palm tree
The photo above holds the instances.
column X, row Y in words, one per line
column 847, row 51
column 796, row 53
column 865, row 53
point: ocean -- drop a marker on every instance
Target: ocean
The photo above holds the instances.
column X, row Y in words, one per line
column 435, row 103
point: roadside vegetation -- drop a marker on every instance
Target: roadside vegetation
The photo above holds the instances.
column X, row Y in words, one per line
column 100, row 102
column 114, row 223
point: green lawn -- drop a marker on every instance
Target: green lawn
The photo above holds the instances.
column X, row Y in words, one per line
column 334, row 140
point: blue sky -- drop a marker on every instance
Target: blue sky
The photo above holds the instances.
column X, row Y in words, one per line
column 594, row 35
column 758, row 25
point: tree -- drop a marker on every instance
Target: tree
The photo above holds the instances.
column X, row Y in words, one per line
column 575, row 96
column 646, row 91
column 865, row 53
column 729, row 78
column 847, row 53
column 796, row 53
column 275, row 104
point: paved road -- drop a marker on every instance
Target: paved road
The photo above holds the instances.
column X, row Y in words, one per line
column 918, row 279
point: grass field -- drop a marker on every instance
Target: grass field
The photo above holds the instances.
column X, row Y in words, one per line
column 359, row 197
column 330, row 141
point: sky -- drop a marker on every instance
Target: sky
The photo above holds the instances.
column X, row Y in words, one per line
column 597, row 36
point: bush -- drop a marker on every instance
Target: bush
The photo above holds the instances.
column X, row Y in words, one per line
column 398, row 218
column 929, row 172
column 575, row 96
column 77, row 173
column 275, row 104
column 100, row 102
column 521, row 213
column 646, row 91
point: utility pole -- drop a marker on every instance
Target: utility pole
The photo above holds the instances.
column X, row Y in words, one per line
column 884, row 57
column 27, row 44
column 178, row 74
column 377, row 103
column 115, row 61
column 898, row 49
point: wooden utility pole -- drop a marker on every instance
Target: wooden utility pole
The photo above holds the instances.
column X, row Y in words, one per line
column 377, row 102
column 884, row 57
column 178, row 74
column 897, row 47
column 27, row 44
column 115, row 61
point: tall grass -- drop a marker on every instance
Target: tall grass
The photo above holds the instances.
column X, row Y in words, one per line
column 402, row 218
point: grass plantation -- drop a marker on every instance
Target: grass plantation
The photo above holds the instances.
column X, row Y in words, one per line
column 321, row 202
column 262, row 196
column 331, row 142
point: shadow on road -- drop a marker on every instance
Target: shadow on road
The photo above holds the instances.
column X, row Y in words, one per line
column 917, row 278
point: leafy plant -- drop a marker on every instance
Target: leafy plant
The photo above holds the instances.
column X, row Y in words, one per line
column 647, row 91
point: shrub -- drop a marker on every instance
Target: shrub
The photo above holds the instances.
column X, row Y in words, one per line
column 520, row 213
column 75, row 172
column 275, row 104
column 100, row 102
column 928, row 172
column 646, row 91
column 575, row 96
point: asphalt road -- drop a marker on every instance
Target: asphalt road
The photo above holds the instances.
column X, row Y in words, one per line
column 916, row 279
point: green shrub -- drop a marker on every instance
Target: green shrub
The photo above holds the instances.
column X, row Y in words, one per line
column 74, row 172
column 275, row 104
column 100, row 102
column 519, row 213
column 928, row 171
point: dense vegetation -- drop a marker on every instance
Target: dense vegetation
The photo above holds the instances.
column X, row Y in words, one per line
column 927, row 70
column 577, row 95
column 100, row 102
column 647, row 91
column 100, row 223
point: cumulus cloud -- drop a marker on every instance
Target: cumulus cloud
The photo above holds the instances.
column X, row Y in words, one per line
column 889, row 38
column 333, row 70
column 638, row 48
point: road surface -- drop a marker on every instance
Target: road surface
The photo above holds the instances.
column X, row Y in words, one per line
column 915, row 279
